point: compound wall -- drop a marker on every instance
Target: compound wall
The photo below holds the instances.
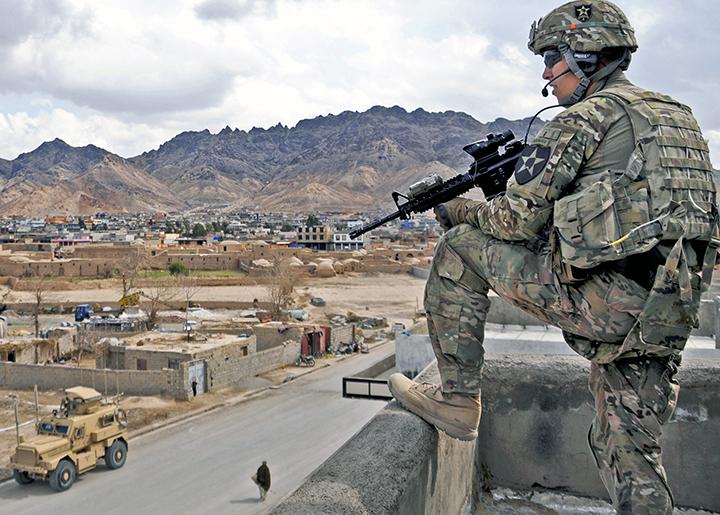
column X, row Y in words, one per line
column 166, row 382
column 237, row 368
column 53, row 377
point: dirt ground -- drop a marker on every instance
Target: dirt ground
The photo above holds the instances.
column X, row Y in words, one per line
column 395, row 296
column 47, row 401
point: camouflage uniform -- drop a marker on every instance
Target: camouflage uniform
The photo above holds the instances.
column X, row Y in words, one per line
column 512, row 245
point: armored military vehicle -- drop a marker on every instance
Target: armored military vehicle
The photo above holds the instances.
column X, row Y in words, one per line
column 71, row 440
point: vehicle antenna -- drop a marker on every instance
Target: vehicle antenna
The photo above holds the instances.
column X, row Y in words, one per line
column 37, row 408
column 17, row 422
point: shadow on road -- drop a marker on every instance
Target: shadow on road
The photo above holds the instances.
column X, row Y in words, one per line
column 11, row 490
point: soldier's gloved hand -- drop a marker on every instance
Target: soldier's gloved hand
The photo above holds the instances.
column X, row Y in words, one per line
column 454, row 212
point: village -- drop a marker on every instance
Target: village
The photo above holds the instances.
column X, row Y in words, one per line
column 179, row 324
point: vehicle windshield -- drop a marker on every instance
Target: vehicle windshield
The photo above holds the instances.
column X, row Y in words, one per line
column 50, row 428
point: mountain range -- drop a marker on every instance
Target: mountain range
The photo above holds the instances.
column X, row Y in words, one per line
column 348, row 162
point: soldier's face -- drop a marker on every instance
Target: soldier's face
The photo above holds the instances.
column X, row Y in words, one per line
column 564, row 85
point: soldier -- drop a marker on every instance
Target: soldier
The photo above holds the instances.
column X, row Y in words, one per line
column 608, row 229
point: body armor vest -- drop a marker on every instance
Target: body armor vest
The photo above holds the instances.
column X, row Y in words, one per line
column 666, row 192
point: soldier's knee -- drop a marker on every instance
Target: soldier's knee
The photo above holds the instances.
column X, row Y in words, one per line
column 449, row 265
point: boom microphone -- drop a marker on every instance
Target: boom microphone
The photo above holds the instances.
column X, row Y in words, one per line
column 545, row 89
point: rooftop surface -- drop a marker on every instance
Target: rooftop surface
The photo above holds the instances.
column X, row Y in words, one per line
column 178, row 343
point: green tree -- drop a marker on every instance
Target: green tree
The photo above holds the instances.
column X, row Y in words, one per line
column 286, row 227
column 199, row 231
column 176, row 268
column 312, row 221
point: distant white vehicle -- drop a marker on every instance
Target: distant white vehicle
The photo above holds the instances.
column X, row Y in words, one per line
column 189, row 326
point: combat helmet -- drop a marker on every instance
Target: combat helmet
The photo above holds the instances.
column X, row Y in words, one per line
column 580, row 31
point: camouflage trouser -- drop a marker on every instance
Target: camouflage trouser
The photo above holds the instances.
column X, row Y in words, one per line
column 633, row 399
column 595, row 315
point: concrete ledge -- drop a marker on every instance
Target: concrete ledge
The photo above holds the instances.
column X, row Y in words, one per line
column 378, row 368
column 537, row 411
column 533, row 436
column 395, row 464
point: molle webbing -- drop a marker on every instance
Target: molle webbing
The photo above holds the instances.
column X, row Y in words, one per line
column 676, row 164
column 665, row 192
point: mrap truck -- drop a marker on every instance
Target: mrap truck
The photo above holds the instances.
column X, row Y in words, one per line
column 70, row 441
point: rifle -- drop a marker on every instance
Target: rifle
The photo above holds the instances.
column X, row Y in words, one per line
column 490, row 171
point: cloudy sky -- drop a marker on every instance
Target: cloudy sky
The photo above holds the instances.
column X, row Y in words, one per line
column 127, row 76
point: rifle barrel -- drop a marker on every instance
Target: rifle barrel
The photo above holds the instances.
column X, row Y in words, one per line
column 372, row 225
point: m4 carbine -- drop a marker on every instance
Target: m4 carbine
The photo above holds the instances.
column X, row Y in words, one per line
column 494, row 163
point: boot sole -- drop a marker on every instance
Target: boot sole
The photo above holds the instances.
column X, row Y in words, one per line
column 436, row 422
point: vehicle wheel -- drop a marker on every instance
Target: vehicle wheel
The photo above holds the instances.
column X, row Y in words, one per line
column 116, row 454
column 298, row 362
column 21, row 477
column 311, row 361
column 63, row 476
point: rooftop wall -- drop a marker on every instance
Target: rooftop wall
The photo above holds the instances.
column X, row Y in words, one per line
column 537, row 411
column 536, row 414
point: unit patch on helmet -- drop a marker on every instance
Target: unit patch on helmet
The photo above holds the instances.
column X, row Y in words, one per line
column 530, row 163
column 583, row 12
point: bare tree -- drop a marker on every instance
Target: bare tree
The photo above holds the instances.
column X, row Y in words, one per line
column 86, row 343
column 39, row 285
column 157, row 295
column 129, row 267
column 188, row 288
column 281, row 285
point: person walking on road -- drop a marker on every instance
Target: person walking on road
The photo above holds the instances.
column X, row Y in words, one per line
column 262, row 479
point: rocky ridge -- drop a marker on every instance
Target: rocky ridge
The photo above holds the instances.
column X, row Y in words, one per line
column 346, row 162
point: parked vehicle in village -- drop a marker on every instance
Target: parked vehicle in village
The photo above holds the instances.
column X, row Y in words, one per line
column 70, row 441
column 305, row 361
column 82, row 311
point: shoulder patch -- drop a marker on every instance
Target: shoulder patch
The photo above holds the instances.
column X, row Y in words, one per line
column 531, row 162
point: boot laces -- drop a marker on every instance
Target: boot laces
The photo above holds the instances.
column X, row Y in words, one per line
column 430, row 389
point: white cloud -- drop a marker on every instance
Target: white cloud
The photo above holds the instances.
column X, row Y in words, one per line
column 126, row 75
column 223, row 10
column 21, row 132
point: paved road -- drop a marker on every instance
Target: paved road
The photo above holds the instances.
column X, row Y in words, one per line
column 204, row 465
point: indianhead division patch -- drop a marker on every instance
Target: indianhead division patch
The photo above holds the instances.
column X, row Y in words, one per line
column 583, row 12
column 531, row 162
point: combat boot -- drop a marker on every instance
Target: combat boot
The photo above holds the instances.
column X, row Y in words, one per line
column 456, row 414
